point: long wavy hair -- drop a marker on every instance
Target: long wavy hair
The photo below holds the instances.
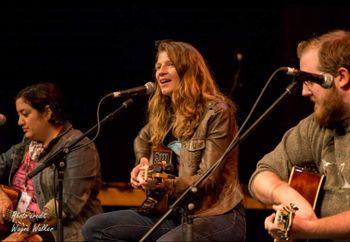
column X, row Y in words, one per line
column 183, row 111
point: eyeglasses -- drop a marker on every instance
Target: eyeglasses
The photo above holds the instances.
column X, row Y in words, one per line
column 308, row 83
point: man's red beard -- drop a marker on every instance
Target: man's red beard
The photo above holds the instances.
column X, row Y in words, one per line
column 329, row 109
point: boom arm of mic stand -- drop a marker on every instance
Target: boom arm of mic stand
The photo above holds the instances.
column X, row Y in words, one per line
column 59, row 154
column 289, row 90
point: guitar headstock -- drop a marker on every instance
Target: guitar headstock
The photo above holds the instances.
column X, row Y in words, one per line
column 284, row 218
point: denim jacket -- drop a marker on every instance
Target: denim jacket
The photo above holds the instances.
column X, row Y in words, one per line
column 221, row 191
column 81, row 182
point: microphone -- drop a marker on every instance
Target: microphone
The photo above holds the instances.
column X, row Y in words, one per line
column 2, row 119
column 323, row 79
column 148, row 88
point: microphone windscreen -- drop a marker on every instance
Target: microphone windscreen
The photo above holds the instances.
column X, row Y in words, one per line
column 2, row 119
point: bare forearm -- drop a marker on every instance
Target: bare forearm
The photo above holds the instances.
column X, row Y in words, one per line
column 264, row 185
column 270, row 189
column 332, row 227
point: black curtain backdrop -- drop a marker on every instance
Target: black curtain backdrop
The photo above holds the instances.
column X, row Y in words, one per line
column 92, row 49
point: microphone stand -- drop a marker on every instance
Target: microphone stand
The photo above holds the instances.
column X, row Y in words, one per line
column 57, row 158
column 193, row 188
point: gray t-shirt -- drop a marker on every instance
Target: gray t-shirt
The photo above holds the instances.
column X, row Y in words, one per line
column 327, row 148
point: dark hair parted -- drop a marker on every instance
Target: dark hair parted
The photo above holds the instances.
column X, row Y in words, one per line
column 41, row 95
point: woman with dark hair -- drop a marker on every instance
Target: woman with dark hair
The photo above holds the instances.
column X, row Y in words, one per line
column 190, row 125
column 42, row 117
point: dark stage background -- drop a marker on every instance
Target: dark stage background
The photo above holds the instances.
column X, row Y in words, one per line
column 92, row 49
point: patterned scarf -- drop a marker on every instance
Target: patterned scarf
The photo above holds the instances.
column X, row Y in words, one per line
column 35, row 150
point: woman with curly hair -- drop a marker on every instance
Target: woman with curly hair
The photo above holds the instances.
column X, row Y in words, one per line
column 190, row 125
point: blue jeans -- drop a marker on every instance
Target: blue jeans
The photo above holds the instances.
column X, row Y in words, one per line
column 129, row 225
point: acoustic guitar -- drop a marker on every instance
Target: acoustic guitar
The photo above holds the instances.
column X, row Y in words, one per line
column 156, row 202
column 308, row 182
column 23, row 222
column 161, row 167
column 13, row 195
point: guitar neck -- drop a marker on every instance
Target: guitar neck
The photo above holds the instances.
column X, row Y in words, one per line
column 9, row 214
